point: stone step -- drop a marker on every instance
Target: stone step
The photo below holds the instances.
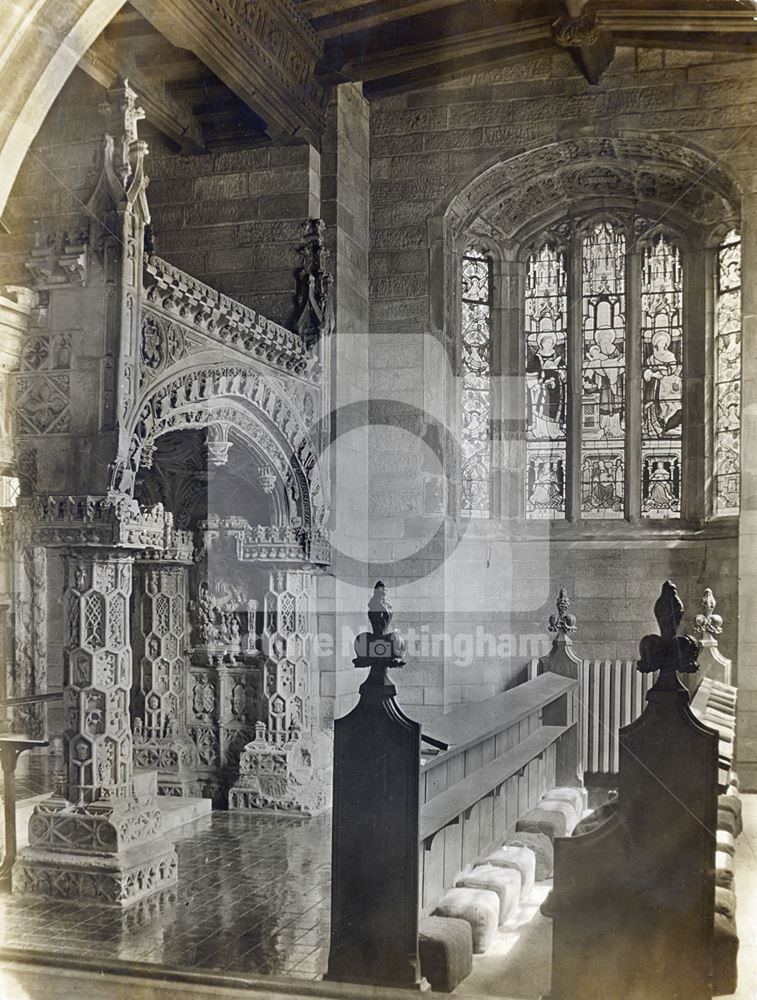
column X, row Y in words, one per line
column 178, row 810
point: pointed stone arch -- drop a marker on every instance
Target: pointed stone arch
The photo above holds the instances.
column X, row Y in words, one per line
column 239, row 398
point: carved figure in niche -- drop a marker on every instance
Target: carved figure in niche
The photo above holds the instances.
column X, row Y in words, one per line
column 662, row 388
column 545, row 379
column 604, row 376
column 62, row 355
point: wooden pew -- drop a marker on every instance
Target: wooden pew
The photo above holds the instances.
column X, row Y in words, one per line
column 633, row 900
column 404, row 826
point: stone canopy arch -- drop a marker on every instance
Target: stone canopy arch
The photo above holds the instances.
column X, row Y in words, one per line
column 233, row 399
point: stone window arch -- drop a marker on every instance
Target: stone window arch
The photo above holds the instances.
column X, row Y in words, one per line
column 607, row 341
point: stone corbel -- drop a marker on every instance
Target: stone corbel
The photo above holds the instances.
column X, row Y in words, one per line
column 590, row 45
column 218, row 444
column 55, row 264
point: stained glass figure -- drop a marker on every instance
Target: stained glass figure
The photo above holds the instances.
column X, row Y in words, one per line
column 661, row 378
column 546, row 382
column 728, row 376
column 545, row 486
column 603, row 294
column 476, row 383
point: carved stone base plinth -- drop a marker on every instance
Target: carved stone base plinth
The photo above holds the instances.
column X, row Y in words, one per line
column 108, row 852
column 116, row 879
column 174, row 758
column 290, row 777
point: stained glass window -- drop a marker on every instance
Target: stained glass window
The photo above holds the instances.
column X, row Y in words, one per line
column 661, row 378
column 603, row 330
column 728, row 376
column 476, row 383
column 546, row 383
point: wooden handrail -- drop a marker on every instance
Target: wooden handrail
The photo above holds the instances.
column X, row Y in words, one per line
column 31, row 699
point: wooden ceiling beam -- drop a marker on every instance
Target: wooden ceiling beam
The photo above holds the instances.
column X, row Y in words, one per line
column 448, row 49
column 712, row 22
column 265, row 52
column 453, row 69
column 319, row 8
column 376, row 14
column 105, row 63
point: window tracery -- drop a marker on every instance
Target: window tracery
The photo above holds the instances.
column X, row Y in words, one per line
column 603, row 360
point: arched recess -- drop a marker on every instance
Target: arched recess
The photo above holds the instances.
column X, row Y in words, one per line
column 236, row 400
column 41, row 42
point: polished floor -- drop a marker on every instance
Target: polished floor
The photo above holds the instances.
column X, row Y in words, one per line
column 254, row 901
column 253, row 897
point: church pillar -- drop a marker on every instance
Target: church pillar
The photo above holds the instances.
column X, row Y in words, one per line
column 159, row 710
column 100, row 837
column 285, row 766
column 746, row 746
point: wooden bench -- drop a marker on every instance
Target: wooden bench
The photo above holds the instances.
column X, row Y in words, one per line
column 634, row 898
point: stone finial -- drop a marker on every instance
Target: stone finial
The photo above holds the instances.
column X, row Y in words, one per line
column 708, row 623
column 668, row 652
column 562, row 621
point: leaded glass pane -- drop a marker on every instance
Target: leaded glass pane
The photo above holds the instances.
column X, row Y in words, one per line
column 661, row 379
column 546, row 381
column 476, row 384
column 603, row 418
column 728, row 376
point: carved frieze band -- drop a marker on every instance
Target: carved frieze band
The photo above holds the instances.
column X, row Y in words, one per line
column 216, row 319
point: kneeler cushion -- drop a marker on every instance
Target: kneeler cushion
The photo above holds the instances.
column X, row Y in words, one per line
column 552, row 822
column 728, row 821
column 725, row 902
column 726, row 842
column 723, row 869
column 567, row 793
column 506, row 882
column 480, row 907
column 732, row 804
column 543, row 850
column 569, row 811
column 522, row 859
column 725, row 956
column 445, row 947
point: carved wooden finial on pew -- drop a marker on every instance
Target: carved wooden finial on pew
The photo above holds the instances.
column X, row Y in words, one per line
column 562, row 622
column 380, row 649
column 712, row 663
column 668, row 652
column 708, row 623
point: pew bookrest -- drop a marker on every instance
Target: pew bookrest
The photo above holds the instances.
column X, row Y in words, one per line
column 504, row 753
